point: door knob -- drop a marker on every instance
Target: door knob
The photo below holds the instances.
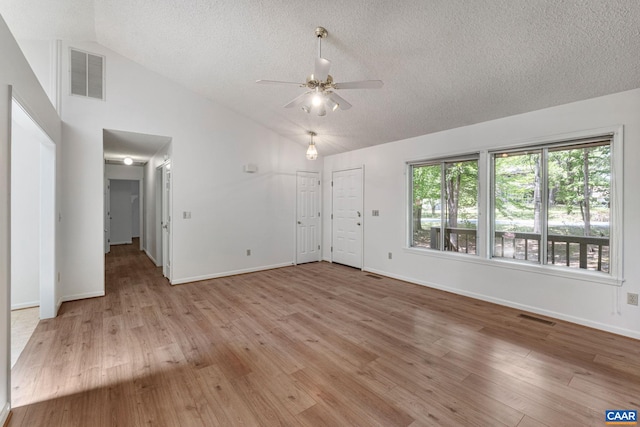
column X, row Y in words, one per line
column 299, row 222
column 358, row 223
column 359, row 215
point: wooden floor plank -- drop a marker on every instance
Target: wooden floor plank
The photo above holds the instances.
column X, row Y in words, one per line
column 311, row 345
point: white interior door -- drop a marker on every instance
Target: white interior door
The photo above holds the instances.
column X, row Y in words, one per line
column 307, row 217
column 166, row 220
column 347, row 217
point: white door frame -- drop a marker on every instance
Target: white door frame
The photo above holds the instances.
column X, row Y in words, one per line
column 47, row 217
column 167, row 269
column 48, row 297
column 157, row 251
column 107, row 215
column 141, row 217
column 361, row 168
column 319, row 228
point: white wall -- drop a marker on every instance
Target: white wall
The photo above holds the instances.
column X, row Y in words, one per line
column 18, row 80
column 231, row 211
column 25, row 215
column 41, row 56
column 585, row 302
column 123, row 172
column 135, row 208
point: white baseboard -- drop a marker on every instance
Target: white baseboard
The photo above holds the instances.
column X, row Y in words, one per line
column 58, row 304
column 81, row 296
column 152, row 258
column 22, row 305
column 229, row 273
column 561, row 316
column 4, row 414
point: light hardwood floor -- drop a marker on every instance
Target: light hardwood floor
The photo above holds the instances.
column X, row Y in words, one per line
column 312, row 345
column 23, row 323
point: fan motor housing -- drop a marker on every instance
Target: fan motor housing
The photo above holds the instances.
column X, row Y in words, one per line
column 312, row 83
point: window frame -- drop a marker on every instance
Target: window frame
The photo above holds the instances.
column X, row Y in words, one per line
column 615, row 138
column 442, row 162
column 615, row 277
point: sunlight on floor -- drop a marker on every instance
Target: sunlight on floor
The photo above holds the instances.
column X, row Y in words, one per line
column 23, row 323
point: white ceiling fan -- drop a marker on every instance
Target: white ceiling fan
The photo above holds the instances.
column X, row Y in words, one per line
column 321, row 95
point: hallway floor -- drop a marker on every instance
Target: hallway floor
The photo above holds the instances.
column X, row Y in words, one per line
column 23, row 323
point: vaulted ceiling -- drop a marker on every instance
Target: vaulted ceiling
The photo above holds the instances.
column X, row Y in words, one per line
column 444, row 63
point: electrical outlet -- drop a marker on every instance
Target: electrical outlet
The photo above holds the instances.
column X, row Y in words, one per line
column 390, row 255
column 248, row 252
column 632, row 299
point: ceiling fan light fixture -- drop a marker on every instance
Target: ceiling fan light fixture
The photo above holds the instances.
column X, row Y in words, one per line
column 320, row 95
column 128, row 161
column 312, row 152
column 317, row 99
column 331, row 104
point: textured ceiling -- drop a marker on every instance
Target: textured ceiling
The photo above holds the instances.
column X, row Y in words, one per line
column 444, row 63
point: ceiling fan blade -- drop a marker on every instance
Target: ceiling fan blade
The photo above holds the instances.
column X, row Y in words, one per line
column 363, row 84
column 342, row 103
column 297, row 100
column 277, row 82
column 321, row 70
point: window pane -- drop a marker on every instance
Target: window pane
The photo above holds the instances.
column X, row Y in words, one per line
column 579, row 187
column 461, row 199
column 517, row 205
column 426, row 206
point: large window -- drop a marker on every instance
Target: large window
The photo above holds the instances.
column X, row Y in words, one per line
column 444, row 196
column 558, row 194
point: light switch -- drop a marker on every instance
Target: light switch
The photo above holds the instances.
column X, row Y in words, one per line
column 186, row 215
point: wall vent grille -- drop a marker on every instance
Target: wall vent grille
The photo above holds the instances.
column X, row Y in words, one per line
column 87, row 74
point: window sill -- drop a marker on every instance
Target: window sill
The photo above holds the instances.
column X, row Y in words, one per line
column 547, row 270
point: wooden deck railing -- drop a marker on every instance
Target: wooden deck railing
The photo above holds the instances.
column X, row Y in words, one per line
column 464, row 240
column 454, row 239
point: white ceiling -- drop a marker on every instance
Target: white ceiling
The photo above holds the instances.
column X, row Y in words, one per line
column 140, row 147
column 445, row 63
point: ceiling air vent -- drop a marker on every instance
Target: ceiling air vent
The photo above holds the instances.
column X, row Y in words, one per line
column 87, row 74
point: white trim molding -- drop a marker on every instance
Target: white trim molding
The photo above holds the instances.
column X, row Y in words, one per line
column 554, row 314
column 4, row 414
column 229, row 273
